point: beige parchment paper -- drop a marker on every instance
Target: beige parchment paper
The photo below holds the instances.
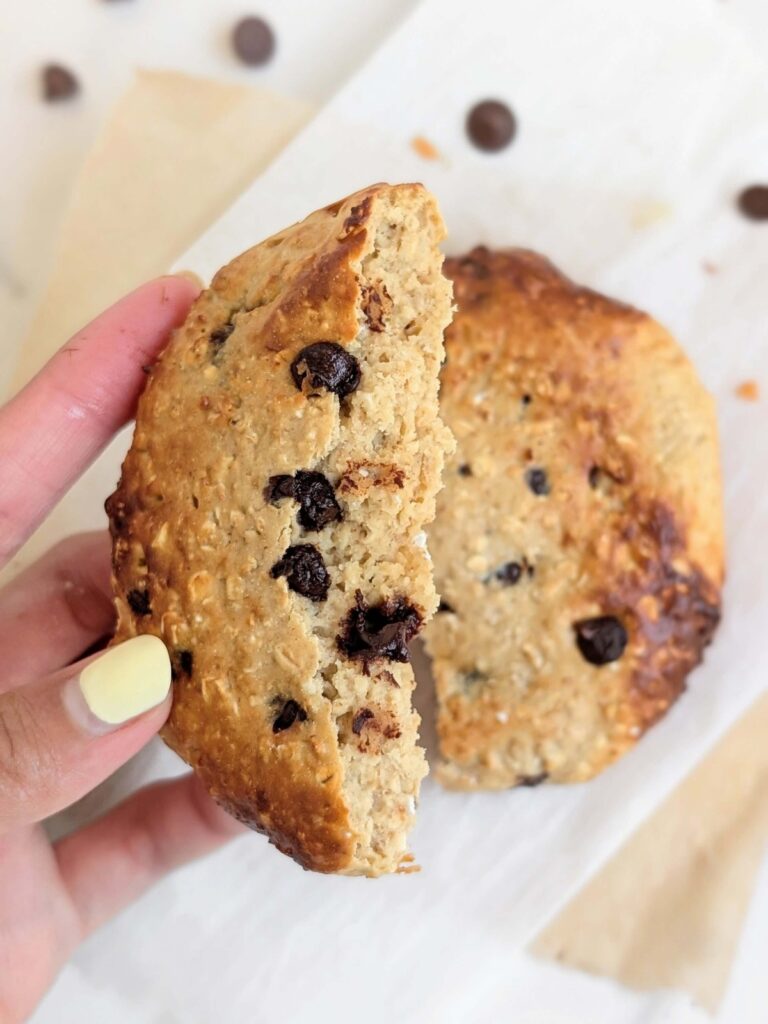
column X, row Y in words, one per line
column 667, row 909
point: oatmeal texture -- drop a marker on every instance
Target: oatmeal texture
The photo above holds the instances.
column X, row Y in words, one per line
column 286, row 457
column 578, row 544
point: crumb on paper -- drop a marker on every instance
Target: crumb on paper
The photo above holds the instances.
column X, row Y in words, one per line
column 748, row 390
column 709, row 267
column 424, row 148
column 649, row 211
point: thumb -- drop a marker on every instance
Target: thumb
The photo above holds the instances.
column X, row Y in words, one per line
column 62, row 736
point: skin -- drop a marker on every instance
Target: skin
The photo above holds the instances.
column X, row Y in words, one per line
column 54, row 895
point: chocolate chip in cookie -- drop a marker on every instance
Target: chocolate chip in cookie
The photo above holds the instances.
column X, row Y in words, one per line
column 220, row 335
column 305, row 572
column 510, row 573
column 601, row 640
column 314, row 493
column 358, row 722
column 139, row 601
column 532, row 780
column 538, row 481
column 290, row 711
column 379, row 631
column 325, row 364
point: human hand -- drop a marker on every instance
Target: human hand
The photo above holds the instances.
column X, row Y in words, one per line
column 65, row 727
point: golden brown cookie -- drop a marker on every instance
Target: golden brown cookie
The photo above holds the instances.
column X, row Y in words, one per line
column 578, row 544
column 268, row 525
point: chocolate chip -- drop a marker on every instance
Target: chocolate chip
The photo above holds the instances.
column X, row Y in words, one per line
column 526, row 399
column 594, row 476
column 474, row 676
column 358, row 722
column 373, row 308
column 220, row 335
column 290, row 712
column 532, row 780
column 59, row 83
column 279, row 487
column 537, row 480
column 253, row 41
column 304, row 571
column 379, row 631
column 315, row 495
column 358, row 215
column 753, row 202
column 139, row 602
column 327, row 365
column 510, row 573
column 465, row 469
column 491, row 125
column 601, row 640
column 445, row 607
column 182, row 663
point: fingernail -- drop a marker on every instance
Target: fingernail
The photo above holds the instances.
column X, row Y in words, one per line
column 126, row 680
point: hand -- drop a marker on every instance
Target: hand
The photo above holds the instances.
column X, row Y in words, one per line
column 65, row 727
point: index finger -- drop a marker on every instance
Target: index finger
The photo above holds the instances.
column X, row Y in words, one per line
column 56, row 426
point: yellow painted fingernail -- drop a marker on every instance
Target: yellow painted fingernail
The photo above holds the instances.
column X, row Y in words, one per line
column 127, row 680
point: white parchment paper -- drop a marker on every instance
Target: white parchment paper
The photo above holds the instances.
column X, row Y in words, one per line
column 639, row 121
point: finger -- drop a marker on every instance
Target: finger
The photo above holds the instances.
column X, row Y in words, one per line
column 54, row 428
column 51, row 612
column 110, row 863
column 59, row 738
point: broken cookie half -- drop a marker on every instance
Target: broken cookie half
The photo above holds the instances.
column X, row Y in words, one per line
column 268, row 525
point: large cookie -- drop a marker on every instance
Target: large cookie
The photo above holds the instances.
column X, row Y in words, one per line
column 578, row 544
column 268, row 525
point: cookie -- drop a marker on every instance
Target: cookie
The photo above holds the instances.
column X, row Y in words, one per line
column 268, row 525
column 578, row 545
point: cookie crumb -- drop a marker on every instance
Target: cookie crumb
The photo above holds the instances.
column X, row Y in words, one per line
column 424, row 148
column 748, row 391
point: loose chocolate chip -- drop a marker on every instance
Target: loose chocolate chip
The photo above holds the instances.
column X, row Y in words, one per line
column 304, row 571
column 220, row 335
column 601, row 640
column 358, row 722
column 59, row 83
column 532, row 780
column 290, row 712
column 537, row 480
column 753, row 202
column 139, row 602
column 253, row 41
column 327, row 365
column 465, row 469
column 491, row 125
column 510, row 573
column 445, row 607
column 379, row 631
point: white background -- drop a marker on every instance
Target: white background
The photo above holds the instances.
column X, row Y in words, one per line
column 320, row 44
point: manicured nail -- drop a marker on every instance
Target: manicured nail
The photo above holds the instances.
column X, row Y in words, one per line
column 127, row 680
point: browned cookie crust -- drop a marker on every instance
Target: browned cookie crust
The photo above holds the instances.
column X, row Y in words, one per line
column 268, row 525
column 578, row 545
